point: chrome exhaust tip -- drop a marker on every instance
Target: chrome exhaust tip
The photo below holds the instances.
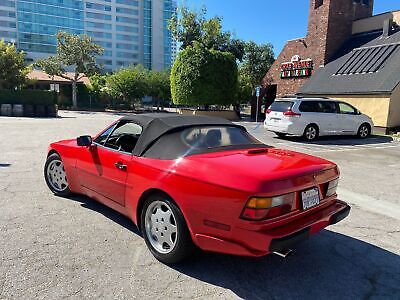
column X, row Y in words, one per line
column 283, row 253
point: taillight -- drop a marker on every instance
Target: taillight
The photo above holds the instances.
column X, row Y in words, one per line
column 258, row 208
column 332, row 187
column 291, row 113
column 268, row 111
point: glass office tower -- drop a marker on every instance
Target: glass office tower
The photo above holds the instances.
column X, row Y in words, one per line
column 124, row 28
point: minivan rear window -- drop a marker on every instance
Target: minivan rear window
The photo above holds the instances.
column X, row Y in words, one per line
column 281, row 106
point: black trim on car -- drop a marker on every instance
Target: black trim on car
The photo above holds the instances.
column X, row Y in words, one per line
column 288, row 241
column 340, row 215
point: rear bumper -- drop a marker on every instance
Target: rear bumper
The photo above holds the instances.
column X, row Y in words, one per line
column 289, row 241
column 288, row 128
column 258, row 243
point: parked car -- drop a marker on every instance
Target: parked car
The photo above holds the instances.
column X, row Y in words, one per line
column 314, row 117
column 189, row 181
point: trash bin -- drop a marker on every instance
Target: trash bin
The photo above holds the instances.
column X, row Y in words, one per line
column 18, row 110
column 6, row 110
column 40, row 111
column 29, row 110
column 52, row 111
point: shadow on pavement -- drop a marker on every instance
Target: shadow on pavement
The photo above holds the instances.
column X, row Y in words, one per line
column 109, row 213
column 327, row 266
column 4, row 165
column 341, row 140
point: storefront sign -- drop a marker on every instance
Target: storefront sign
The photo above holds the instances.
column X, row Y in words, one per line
column 296, row 68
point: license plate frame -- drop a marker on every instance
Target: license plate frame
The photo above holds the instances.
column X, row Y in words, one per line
column 310, row 198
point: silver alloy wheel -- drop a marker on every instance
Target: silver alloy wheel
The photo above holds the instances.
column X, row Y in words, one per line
column 56, row 175
column 364, row 131
column 161, row 228
column 311, row 133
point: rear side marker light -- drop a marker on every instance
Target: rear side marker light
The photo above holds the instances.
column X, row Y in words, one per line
column 217, row 225
column 259, row 208
column 291, row 113
column 332, row 187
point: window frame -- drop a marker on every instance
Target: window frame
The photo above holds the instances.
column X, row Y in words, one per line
column 355, row 110
column 115, row 126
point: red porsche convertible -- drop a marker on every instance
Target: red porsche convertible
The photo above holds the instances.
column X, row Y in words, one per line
column 189, row 181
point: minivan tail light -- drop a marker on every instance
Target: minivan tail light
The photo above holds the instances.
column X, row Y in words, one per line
column 260, row 208
column 291, row 113
column 268, row 111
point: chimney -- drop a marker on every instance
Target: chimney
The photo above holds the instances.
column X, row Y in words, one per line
column 387, row 27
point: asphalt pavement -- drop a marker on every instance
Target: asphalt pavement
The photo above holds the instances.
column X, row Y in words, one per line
column 52, row 247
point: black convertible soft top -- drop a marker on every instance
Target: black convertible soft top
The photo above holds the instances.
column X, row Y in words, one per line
column 157, row 124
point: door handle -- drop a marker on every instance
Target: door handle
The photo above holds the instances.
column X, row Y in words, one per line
column 120, row 165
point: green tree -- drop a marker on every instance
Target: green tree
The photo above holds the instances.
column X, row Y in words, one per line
column 13, row 69
column 159, row 86
column 188, row 27
column 128, row 84
column 256, row 63
column 76, row 52
column 201, row 76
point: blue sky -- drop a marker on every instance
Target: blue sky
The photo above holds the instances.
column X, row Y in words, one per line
column 273, row 21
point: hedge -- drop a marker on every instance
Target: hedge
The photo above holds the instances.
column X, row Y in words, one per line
column 201, row 76
column 32, row 97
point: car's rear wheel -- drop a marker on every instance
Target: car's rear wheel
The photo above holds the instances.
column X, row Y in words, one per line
column 311, row 132
column 364, row 131
column 280, row 134
column 165, row 231
column 55, row 175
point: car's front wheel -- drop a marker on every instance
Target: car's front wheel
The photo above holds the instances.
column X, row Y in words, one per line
column 165, row 231
column 364, row 131
column 55, row 175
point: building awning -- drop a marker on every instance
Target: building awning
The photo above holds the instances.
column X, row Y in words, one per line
column 42, row 77
column 367, row 63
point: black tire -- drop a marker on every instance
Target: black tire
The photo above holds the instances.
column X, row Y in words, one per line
column 364, row 131
column 280, row 134
column 63, row 192
column 311, row 133
column 183, row 247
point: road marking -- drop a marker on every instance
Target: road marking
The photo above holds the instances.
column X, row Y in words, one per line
column 370, row 204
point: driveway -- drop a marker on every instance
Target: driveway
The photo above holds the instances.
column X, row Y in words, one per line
column 53, row 247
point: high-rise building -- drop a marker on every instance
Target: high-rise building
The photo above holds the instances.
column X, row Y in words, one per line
column 130, row 31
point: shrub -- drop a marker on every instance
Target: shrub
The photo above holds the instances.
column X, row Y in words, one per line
column 201, row 76
column 32, row 97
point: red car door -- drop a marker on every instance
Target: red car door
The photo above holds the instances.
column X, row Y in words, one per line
column 102, row 168
column 104, row 172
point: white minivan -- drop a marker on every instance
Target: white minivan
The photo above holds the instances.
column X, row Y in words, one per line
column 314, row 117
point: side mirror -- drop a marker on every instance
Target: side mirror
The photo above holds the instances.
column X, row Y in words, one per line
column 84, row 140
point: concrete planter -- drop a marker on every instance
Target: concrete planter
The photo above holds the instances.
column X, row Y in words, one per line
column 6, row 110
column 225, row 114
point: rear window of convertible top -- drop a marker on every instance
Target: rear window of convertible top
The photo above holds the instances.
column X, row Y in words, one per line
column 200, row 139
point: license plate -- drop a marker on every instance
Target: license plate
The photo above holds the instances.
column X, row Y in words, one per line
column 275, row 119
column 310, row 198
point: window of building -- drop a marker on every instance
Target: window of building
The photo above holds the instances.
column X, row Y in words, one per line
column 123, row 10
column 318, row 3
column 128, row 2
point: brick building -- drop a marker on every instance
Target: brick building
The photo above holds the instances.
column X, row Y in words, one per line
column 341, row 34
